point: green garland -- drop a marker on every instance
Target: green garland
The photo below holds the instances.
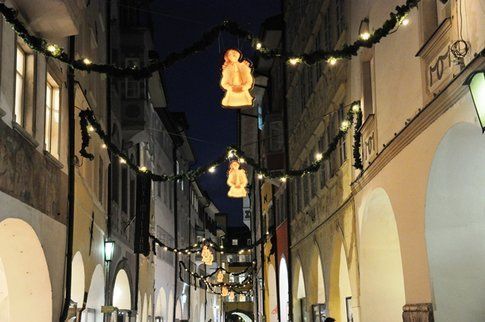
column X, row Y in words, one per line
column 233, row 287
column 197, row 247
column 357, row 143
column 354, row 116
column 331, row 56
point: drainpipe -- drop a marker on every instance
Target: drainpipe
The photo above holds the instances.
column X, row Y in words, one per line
column 189, row 188
column 287, row 166
column 262, row 233
column 107, row 266
column 71, row 178
column 175, row 228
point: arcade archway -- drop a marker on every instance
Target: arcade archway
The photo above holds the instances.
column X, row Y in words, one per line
column 95, row 297
column 273, row 302
column 161, row 305
column 77, row 280
column 455, row 225
column 25, row 288
column 284, row 290
column 381, row 274
column 299, row 297
column 121, row 291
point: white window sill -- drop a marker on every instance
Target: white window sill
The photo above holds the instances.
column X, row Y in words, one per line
column 52, row 159
column 26, row 135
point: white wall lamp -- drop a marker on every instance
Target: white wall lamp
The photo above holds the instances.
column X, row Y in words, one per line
column 109, row 247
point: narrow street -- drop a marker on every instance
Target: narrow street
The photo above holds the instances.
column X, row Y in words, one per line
column 242, row 161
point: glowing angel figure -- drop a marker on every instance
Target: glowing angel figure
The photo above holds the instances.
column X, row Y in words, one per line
column 237, row 80
column 220, row 276
column 237, row 181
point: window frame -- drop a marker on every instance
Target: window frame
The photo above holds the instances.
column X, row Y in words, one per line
column 55, row 90
column 19, row 108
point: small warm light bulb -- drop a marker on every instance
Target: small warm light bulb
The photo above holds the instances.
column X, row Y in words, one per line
column 259, row 46
column 231, row 154
column 294, row 61
column 260, row 176
column 242, row 160
column 356, row 107
column 365, row 35
column 122, row 161
column 345, row 125
column 404, row 20
column 90, row 128
column 143, row 169
column 212, row 169
column 332, row 61
column 104, row 146
column 87, row 61
column 165, row 248
column 318, row 156
column 54, row 49
column 283, row 179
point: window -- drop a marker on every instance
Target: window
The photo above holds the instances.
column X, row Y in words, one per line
column 133, row 87
column 20, row 85
column 276, row 136
column 343, row 142
column 132, row 198
column 327, row 31
column 101, row 180
column 116, row 177
column 339, row 12
column 52, row 116
column 124, row 189
column 367, row 87
column 234, row 242
column 24, row 107
column 322, row 149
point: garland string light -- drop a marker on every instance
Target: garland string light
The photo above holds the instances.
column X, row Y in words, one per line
column 396, row 18
column 197, row 247
column 354, row 116
column 224, row 287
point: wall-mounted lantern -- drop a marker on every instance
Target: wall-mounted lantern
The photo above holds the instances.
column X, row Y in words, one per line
column 109, row 247
column 476, row 84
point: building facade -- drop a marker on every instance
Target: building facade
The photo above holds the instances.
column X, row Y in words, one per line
column 67, row 224
column 376, row 244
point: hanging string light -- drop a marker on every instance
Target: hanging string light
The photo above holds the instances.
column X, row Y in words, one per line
column 87, row 119
column 398, row 17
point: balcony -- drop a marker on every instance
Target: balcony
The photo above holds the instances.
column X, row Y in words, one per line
column 38, row 14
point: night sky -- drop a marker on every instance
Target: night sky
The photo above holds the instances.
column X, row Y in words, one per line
column 192, row 85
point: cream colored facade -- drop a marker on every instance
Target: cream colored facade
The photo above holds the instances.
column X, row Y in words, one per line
column 400, row 240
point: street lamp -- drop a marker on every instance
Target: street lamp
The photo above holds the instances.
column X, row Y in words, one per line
column 476, row 84
column 109, row 247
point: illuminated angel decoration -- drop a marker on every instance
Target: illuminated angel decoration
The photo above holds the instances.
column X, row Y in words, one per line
column 207, row 256
column 237, row 80
column 220, row 276
column 231, row 296
column 224, row 291
column 237, row 181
